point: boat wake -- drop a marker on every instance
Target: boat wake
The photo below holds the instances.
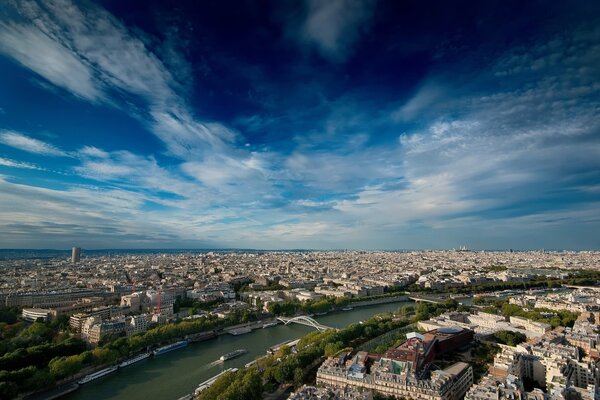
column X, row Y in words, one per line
column 212, row 364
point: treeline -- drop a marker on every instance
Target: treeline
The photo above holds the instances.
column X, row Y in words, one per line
column 558, row 318
column 578, row 278
column 326, row 304
column 538, row 282
column 503, row 307
column 124, row 347
column 33, row 357
column 583, row 277
column 244, row 384
column 40, row 355
column 195, row 305
column 293, row 307
column 26, row 350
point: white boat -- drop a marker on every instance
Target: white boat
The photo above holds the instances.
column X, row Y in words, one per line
column 233, row 354
column 270, row 324
column 170, row 347
column 134, row 360
column 98, row 374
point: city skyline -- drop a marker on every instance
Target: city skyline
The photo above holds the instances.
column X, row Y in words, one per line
column 299, row 125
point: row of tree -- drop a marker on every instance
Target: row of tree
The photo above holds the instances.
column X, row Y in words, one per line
column 578, row 278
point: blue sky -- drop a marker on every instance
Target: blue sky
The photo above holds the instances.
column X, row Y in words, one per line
column 300, row 124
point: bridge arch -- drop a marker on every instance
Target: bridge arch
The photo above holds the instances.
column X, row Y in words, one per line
column 304, row 320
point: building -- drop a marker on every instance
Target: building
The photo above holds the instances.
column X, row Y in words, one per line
column 550, row 362
column 485, row 323
column 52, row 299
column 75, row 254
column 134, row 302
column 407, row 370
column 94, row 329
column 35, row 314
column 137, row 324
column 314, row 393
column 77, row 320
column 529, row 325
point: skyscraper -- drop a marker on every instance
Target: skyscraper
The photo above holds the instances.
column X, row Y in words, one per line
column 75, row 254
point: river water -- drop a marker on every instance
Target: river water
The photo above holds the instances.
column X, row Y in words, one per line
column 175, row 374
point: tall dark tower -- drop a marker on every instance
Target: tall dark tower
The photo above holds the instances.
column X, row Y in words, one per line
column 75, row 254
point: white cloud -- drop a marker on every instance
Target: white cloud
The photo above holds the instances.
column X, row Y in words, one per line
column 29, row 144
column 92, row 151
column 93, row 55
column 18, row 164
column 423, row 99
column 334, row 26
column 40, row 53
column 132, row 171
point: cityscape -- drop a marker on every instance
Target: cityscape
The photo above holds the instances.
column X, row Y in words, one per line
column 413, row 324
column 299, row 200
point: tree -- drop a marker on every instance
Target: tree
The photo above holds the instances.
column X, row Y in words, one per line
column 332, row 348
column 61, row 367
column 8, row 390
column 298, row 377
column 510, row 338
column 40, row 379
column 405, row 310
column 283, row 352
column 9, row 315
column 451, row 304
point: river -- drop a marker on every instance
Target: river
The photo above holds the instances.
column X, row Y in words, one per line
column 175, row 374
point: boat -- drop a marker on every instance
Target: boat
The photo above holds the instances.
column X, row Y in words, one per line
column 233, row 354
column 321, row 313
column 170, row 347
column 200, row 337
column 269, row 324
column 134, row 360
column 240, row 331
column 347, row 309
column 98, row 374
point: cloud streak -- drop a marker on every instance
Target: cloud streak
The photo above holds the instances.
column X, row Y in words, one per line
column 29, row 144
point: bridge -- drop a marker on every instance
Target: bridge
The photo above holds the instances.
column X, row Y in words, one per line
column 428, row 299
column 304, row 320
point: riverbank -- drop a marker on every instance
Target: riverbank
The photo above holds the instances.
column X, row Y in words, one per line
column 179, row 372
column 213, row 334
column 383, row 300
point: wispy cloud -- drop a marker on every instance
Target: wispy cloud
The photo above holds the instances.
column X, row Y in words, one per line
column 39, row 52
column 29, row 144
column 18, row 164
column 93, row 55
column 334, row 27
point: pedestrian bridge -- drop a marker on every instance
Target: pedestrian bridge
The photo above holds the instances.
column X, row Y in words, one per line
column 304, row 320
column 418, row 299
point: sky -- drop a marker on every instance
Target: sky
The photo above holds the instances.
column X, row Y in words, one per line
column 307, row 124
